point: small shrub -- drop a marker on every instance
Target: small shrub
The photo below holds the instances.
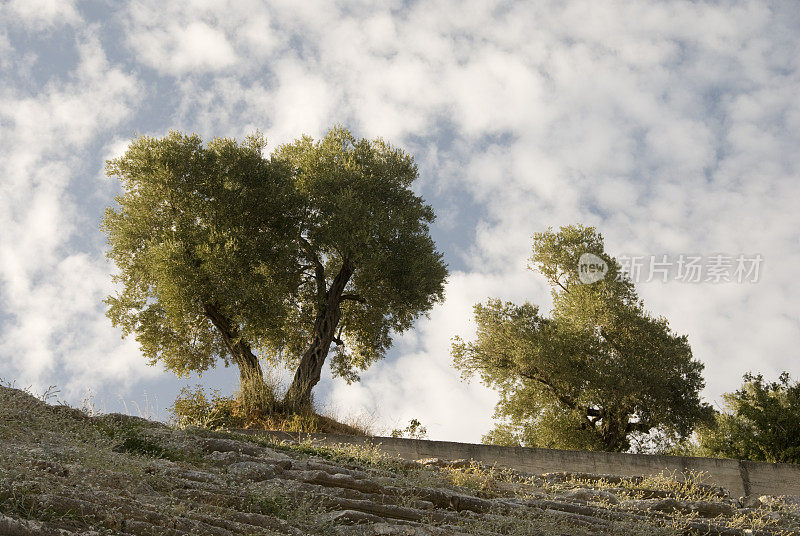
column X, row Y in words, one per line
column 134, row 442
column 301, row 424
column 689, row 486
column 130, row 437
column 254, row 407
column 475, row 477
column 193, row 408
column 258, row 398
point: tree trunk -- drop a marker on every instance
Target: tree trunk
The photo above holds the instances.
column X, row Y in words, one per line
column 613, row 431
column 249, row 367
column 298, row 397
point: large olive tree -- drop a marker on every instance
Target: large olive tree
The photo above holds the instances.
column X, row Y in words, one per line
column 226, row 254
column 596, row 371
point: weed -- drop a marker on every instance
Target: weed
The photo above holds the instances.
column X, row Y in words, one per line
column 475, row 477
column 363, row 453
column 131, row 437
column 193, row 408
column 297, row 509
column 688, row 486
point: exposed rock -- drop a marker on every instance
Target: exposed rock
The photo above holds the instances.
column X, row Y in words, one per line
column 711, row 509
column 257, row 472
column 750, row 502
column 780, row 500
column 387, row 529
column 229, row 445
column 348, row 517
column 590, row 495
column 10, row 526
column 459, row 464
column 656, row 505
column 431, row 462
column 69, row 484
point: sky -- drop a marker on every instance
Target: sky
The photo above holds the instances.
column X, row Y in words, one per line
column 673, row 127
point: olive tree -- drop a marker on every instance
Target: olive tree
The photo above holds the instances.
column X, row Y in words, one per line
column 760, row 421
column 226, row 254
column 597, row 370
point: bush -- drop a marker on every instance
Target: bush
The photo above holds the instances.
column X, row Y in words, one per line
column 131, row 436
column 193, row 408
column 255, row 408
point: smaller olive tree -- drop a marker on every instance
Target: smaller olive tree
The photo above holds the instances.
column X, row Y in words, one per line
column 597, row 371
column 760, row 421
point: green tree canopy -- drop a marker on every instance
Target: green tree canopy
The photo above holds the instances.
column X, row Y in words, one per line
column 225, row 254
column 599, row 369
column 760, row 421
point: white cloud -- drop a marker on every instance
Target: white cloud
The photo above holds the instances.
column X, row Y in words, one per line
column 41, row 14
column 52, row 294
column 672, row 126
column 201, row 37
column 178, row 49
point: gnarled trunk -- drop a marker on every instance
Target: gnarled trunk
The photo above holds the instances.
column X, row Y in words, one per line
column 249, row 367
column 613, row 430
column 298, row 397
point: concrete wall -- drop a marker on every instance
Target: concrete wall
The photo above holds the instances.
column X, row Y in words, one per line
column 739, row 477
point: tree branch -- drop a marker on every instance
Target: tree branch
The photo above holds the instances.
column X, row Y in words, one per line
column 319, row 270
column 637, row 427
column 558, row 282
column 590, row 416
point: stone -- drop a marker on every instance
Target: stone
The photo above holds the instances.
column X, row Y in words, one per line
column 224, row 457
column 350, row 517
column 589, row 495
column 431, row 462
column 229, row 445
column 711, row 509
column 144, row 489
column 780, row 500
column 388, row 529
column 750, row 502
column 668, row 505
column 253, row 471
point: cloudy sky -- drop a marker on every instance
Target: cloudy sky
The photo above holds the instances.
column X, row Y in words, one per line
column 673, row 127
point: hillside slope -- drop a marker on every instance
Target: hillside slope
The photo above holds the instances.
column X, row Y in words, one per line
column 63, row 472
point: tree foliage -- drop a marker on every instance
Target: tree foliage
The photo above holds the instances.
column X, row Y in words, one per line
column 760, row 421
column 596, row 371
column 226, row 254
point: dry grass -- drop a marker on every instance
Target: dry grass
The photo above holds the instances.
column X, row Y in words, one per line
column 256, row 407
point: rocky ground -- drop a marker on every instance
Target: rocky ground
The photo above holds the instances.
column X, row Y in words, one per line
column 63, row 472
